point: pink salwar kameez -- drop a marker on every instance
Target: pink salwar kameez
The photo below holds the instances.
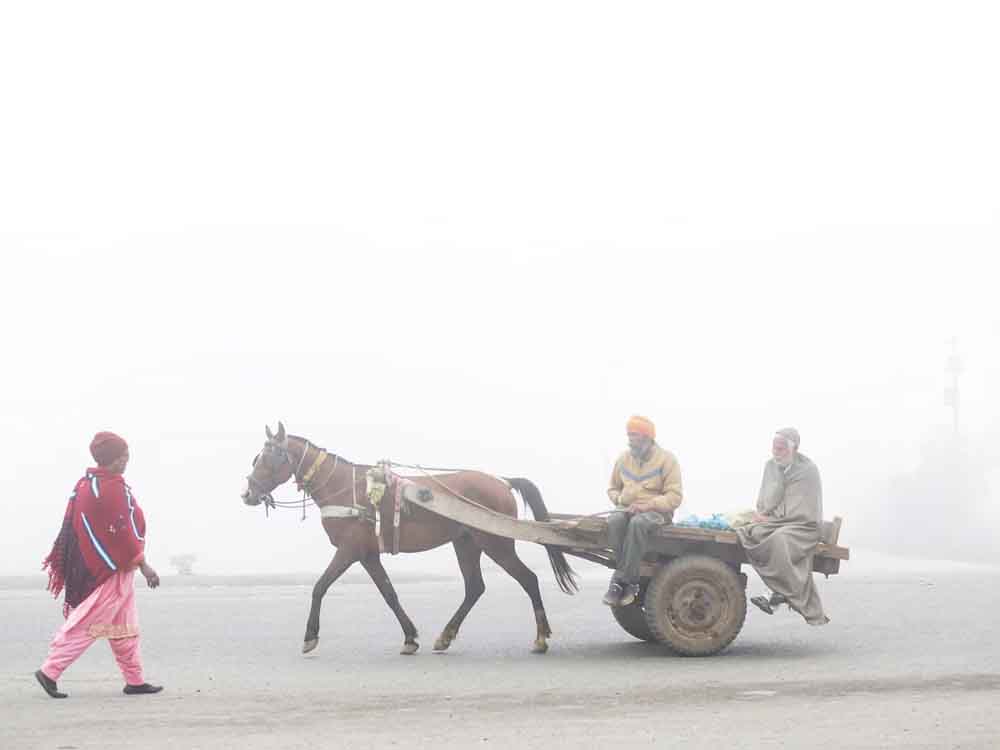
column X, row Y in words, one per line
column 109, row 612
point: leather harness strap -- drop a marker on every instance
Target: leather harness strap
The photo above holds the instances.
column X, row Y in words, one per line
column 317, row 462
column 354, row 510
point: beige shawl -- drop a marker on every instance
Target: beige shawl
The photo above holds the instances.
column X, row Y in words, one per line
column 781, row 549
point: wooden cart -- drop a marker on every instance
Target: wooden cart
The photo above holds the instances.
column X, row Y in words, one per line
column 692, row 594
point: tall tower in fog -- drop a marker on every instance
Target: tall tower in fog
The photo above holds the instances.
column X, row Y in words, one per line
column 951, row 396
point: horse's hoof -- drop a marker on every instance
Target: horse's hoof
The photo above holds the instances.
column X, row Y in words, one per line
column 540, row 647
column 444, row 640
column 309, row 645
column 409, row 649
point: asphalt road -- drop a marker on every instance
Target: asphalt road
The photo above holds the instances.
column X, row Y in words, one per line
column 911, row 659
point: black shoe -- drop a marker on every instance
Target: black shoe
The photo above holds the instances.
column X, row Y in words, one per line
column 777, row 599
column 630, row 594
column 48, row 685
column 614, row 596
column 143, row 689
column 762, row 604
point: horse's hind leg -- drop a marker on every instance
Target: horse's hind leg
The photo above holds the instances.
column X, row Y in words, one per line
column 501, row 551
column 373, row 565
column 469, row 554
column 342, row 560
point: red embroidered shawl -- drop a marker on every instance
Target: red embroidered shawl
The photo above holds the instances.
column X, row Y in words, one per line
column 103, row 532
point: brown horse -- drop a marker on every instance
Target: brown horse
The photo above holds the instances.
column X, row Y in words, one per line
column 338, row 487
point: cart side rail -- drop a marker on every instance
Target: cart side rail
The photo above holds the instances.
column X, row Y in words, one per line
column 589, row 533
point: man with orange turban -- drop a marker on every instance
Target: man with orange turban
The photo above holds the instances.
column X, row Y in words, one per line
column 94, row 558
column 645, row 489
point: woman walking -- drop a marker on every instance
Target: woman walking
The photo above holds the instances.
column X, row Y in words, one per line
column 94, row 558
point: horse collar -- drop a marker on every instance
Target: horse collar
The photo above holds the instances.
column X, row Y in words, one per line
column 317, row 462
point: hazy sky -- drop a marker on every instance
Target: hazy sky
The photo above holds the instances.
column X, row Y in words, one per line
column 482, row 235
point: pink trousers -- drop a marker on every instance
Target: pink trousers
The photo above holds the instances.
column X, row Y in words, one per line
column 109, row 612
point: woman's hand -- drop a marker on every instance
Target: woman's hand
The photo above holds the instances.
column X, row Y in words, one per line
column 152, row 579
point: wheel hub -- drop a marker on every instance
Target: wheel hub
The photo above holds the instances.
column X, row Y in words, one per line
column 696, row 607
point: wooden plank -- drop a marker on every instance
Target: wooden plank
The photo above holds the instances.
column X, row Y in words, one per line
column 491, row 522
column 837, row 553
column 586, row 532
column 834, row 532
column 730, row 537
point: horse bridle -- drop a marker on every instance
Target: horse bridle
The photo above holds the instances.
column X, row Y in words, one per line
column 283, row 454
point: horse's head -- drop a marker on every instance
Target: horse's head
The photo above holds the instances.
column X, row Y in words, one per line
column 272, row 467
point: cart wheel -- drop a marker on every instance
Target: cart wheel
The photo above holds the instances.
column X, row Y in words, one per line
column 695, row 605
column 632, row 618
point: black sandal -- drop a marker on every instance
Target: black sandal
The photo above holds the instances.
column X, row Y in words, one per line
column 143, row 689
column 48, row 685
column 762, row 604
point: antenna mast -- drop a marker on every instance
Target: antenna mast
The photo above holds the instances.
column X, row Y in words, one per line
column 951, row 397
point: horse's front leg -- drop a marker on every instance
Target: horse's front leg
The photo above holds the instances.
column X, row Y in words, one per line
column 342, row 560
column 373, row 565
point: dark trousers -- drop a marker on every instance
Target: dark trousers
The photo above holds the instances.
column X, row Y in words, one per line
column 629, row 537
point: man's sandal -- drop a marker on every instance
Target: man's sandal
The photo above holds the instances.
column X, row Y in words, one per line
column 762, row 604
column 629, row 594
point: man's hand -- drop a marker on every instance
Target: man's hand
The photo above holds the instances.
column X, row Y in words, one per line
column 758, row 518
column 639, row 507
column 152, row 579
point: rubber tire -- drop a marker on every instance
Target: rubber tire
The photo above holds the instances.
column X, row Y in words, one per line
column 633, row 619
column 675, row 623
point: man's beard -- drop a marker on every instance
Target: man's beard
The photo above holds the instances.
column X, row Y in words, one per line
column 785, row 460
column 638, row 451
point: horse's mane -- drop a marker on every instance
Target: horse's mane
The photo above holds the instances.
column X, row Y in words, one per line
column 339, row 456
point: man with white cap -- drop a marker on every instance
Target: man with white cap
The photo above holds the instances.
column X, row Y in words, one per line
column 645, row 489
column 781, row 541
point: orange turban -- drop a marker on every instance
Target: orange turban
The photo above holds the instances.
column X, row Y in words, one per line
column 106, row 447
column 641, row 425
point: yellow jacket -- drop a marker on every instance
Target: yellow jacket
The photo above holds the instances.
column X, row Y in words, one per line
column 655, row 480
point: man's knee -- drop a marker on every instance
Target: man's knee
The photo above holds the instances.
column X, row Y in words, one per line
column 649, row 520
column 618, row 522
column 645, row 524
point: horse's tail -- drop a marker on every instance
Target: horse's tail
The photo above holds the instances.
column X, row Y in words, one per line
column 565, row 575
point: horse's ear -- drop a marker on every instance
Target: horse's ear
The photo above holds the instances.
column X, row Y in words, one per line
column 281, row 433
column 267, row 431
